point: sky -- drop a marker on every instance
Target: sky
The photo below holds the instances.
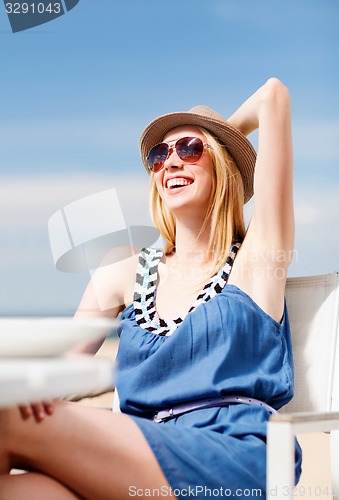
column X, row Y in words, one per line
column 76, row 92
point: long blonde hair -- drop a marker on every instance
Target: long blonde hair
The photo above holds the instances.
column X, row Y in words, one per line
column 224, row 213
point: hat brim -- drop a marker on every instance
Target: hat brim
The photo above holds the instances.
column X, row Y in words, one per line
column 236, row 143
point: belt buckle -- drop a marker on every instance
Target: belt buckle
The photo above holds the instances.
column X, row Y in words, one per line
column 156, row 418
column 167, row 414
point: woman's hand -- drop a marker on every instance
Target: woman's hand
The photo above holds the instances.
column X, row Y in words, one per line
column 37, row 410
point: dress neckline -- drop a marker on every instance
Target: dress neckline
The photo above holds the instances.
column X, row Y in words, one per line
column 144, row 303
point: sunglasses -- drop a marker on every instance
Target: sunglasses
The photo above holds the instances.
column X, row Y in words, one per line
column 189, row 150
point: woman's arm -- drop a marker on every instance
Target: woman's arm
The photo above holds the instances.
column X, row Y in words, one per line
column 269, row 110
column 110, row 288
column 90, row 307
column 268, row 246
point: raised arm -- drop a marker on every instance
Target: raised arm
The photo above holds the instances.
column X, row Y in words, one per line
column 269, row 109
column 268, row 245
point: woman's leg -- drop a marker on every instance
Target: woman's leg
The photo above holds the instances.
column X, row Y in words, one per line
column 95, row 453
column 33, row 485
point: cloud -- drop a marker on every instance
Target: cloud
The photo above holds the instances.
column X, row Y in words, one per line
column 30, row 283
column 26, row 204
column 29, row 280
column 317, row 237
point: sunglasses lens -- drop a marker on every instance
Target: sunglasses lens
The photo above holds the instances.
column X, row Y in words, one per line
column 157, row 157
column 190, row 149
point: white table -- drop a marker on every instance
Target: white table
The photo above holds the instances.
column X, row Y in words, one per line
column 29, row 380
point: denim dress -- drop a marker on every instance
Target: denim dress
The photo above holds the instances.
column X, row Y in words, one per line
column 225, row 345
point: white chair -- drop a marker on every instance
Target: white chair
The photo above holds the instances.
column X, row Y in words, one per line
column 313, row 305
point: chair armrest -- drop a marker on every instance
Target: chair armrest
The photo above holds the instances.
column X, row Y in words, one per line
column 281, row 430
column 308, row 421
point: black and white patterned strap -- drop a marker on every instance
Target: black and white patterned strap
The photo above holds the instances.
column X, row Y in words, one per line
column 145, row 290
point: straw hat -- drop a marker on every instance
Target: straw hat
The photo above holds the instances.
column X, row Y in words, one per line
column 237, row 144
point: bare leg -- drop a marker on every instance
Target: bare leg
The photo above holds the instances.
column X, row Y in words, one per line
column 95, row 453
column 33, row 485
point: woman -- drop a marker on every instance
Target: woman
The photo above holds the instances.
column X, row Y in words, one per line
column 199, row 370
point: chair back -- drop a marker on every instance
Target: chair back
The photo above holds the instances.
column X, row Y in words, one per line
column 313, row 306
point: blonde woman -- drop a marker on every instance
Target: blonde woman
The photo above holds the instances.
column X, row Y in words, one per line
column 205, row 351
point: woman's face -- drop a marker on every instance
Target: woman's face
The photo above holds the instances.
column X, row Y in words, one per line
column 194, row 194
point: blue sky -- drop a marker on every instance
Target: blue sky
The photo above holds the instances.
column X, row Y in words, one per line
column 75, row 94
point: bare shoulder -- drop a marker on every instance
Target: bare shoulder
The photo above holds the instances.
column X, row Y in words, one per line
column 111, row 287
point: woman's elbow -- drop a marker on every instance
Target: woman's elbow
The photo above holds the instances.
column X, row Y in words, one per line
column 275, row 89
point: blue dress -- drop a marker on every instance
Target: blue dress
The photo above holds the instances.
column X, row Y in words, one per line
column 226, row 345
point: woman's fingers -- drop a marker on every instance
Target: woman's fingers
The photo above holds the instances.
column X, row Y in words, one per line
column 38, row 410
column 49, row 407
column 25, row 411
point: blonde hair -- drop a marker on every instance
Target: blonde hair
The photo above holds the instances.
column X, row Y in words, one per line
column 224, row 213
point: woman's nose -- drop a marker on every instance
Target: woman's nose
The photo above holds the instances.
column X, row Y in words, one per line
column 173, row 160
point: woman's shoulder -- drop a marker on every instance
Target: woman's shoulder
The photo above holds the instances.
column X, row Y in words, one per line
column 112, row 283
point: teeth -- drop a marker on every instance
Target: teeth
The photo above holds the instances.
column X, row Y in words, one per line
column 177, row 182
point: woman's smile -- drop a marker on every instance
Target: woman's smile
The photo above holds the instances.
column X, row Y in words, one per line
column 175, row 184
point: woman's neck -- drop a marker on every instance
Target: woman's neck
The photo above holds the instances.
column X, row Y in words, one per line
column 191, row 243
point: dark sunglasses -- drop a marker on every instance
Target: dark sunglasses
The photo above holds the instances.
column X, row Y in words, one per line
column 189, row 150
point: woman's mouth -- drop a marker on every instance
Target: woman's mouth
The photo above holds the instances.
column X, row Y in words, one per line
column 178, row 182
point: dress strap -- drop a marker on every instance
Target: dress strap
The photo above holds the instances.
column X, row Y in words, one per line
column 145, row 284
column 219, row 280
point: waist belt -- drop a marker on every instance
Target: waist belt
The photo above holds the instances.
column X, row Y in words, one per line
column 176, row 411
